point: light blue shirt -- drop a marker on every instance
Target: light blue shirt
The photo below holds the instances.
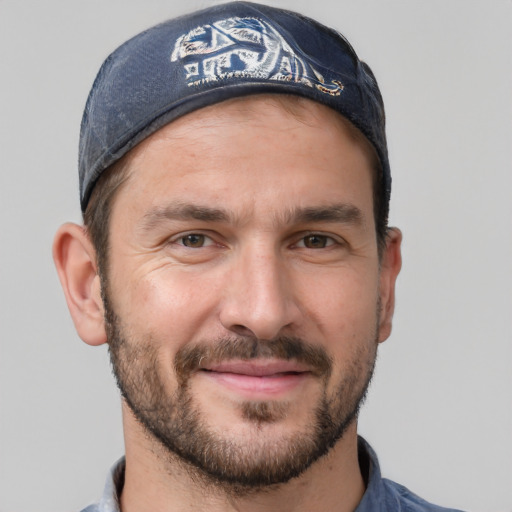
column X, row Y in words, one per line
column 382, row 495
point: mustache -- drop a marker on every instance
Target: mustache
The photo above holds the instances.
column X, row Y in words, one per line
column 188, row 359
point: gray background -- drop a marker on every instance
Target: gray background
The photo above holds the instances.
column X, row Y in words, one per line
column 440, row 410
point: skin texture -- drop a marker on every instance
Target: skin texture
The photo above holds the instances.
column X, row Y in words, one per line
column 241, row 225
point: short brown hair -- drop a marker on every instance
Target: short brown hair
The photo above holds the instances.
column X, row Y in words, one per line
column 99, row 209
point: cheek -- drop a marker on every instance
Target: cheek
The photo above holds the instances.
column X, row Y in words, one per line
column 343, row 307
column 168, row 303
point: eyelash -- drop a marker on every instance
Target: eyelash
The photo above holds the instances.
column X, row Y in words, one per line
column 181, row 240
column 325, row 241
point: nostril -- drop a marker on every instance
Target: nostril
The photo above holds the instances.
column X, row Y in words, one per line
column 242, row 330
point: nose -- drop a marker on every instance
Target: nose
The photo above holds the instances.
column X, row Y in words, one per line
column 258, row 295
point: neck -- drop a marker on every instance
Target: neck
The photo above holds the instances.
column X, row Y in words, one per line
column 157, row 484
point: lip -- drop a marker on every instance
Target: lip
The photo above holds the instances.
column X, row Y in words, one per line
column 258, row 378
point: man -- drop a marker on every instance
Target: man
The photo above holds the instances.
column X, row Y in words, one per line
column 236, row 258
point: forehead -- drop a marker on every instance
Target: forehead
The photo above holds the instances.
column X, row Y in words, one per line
column 291, row 144
column 255, row 113
column 261, row 109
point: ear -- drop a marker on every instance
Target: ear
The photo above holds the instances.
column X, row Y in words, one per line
column 75, row 259
column 391, row 263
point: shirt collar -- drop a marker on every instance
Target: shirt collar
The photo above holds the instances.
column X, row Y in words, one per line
column 113, row 487
column 371, row 501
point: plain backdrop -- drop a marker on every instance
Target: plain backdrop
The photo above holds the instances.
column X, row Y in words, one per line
column 439, row 412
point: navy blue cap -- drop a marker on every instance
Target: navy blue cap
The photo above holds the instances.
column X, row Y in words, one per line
column 225, row 51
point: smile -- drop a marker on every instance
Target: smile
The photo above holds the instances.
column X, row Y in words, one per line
column 260, row 377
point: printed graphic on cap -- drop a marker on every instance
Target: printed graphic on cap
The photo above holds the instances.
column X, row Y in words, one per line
column 245, row 48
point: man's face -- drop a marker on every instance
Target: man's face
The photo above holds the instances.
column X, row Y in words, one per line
column 242, row 297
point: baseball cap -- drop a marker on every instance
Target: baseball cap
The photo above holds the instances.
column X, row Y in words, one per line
column 221, row 52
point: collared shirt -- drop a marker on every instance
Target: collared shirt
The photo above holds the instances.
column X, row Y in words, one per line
column 382, row 495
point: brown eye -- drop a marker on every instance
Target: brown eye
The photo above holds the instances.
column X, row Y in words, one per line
column 316, row 241
column 193, row 240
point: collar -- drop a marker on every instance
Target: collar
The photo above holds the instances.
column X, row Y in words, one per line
column 368, row 462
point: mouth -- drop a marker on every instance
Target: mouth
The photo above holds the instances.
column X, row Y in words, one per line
column 258, row 378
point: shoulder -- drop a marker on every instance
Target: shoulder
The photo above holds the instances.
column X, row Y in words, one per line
column 109, row 501
column 382, row 494
column 400, row 498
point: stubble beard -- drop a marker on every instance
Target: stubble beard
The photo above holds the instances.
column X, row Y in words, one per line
column 234, row 466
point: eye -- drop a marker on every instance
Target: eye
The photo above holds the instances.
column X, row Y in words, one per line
column 316, row 241
column 194, row 240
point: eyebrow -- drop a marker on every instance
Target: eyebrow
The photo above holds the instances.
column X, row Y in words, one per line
column 336, row 213
column 342, row 213
column 183, row 211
